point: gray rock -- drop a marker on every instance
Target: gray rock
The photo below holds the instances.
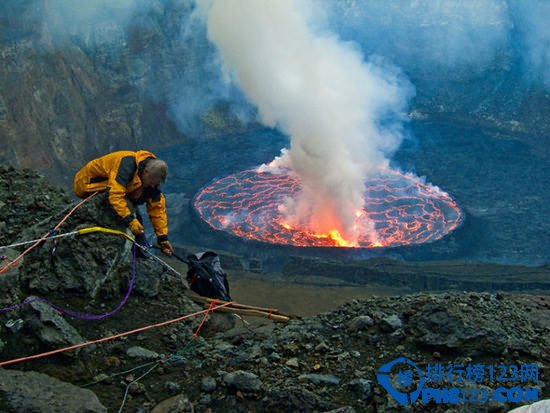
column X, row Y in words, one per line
column 208, row 384
column 345, row 409
column 268, row 346
column 275, row 356
column 322, row 347
column 10, row 290
column 542, row 406
column 106, row 260
column 205, row 400
column 241, row 357
column 255, row 351
column 293, row 362
column 468, row 321
column 51, row 328
column 220, row 322
column 362, row 387
column 147, row 282
column 342, row 356
column 224, row 347
column 321, row 379
column 176, row 404
column 392, row 322
column 243, row 380
column 172, row 387
column 141, row 353
column 360, row 323
column 36, row 392
column 295, row 399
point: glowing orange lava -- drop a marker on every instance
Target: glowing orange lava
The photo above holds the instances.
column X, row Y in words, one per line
column 399, row 209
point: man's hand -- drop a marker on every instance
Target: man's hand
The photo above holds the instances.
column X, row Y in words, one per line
column 136, row 227
column 167, row 247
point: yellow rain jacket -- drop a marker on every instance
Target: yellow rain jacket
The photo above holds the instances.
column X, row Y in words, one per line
column 118, row 173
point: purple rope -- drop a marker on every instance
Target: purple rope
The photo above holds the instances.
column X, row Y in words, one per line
column 76, row 314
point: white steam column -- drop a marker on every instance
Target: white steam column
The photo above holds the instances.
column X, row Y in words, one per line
column 341, row 112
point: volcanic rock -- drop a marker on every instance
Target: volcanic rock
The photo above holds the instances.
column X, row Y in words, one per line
column 176, row 404
column 51, row 328
column 472, row 320
column 21, row 208
column 208, row 384
column 295, row 398
column 141, row 353
column 321, row 379
column 243, row 380
column 293, row 362
column 392, row 322
column 362, row 387
column 359, row 323
column 33, row 392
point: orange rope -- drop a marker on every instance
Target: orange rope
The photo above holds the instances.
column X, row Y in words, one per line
column 15, row 261
column 101, row 340
column 212, row 304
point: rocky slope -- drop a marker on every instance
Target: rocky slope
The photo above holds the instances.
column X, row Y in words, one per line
column 324, row 363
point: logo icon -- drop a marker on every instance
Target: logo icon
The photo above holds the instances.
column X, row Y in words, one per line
column 404, row 378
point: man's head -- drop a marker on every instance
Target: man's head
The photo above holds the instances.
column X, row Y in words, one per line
column 154, row 173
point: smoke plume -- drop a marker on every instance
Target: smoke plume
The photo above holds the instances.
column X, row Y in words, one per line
column 426, row 38
column 458, row 35
column 336, row 107
column 454, row 38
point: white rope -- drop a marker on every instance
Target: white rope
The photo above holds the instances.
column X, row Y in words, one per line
column 145, row 249
column 135, row 381
column 39, row 239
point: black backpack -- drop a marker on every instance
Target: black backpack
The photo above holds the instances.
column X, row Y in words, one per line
column 206, row 276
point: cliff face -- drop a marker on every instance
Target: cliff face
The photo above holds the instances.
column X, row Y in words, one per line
column 63, row 103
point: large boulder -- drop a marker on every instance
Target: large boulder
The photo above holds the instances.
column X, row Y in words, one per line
column 471, row 323
column 36, row 392
column 100, row 259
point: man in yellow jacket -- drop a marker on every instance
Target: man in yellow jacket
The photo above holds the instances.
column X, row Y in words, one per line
column 129, row 176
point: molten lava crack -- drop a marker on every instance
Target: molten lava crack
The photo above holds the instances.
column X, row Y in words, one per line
column 399, row 210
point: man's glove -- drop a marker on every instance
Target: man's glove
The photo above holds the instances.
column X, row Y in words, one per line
column 136, row 227
column 167, row 247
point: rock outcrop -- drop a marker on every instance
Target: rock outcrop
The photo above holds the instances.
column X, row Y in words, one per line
column 35, row 392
